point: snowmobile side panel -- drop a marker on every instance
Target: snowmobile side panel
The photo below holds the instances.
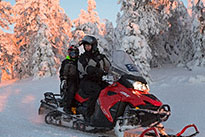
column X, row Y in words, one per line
column 107, row 100
column 98, row 119
column 122, row 94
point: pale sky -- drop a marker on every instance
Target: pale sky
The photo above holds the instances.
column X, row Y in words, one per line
column 106, row 8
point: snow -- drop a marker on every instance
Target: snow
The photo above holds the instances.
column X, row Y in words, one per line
column 182, row 89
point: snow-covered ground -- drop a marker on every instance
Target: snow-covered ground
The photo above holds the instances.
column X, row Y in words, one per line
column 183, row 90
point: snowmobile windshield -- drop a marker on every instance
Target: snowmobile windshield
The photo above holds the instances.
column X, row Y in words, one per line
column 123, row 64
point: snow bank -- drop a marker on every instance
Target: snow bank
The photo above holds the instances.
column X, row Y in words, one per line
column 197, row 79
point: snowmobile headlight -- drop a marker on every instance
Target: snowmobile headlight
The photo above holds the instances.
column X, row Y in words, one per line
column 140, row 86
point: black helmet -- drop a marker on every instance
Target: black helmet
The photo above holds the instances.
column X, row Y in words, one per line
column 73, row 52
column 88, row 39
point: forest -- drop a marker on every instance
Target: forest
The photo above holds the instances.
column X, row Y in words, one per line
column 152, row 32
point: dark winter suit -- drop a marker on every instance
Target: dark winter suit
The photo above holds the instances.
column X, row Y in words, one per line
column 69, row 73
column 91, row 68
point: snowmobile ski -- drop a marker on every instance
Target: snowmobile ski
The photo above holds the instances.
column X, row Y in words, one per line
column 154, row 133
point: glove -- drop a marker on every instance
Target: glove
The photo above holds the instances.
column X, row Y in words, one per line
column 99, row 72
column 63, row 84
column 95, row 71
column 63, row 87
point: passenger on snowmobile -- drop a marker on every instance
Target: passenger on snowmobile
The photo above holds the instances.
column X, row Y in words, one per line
column 69, row 78
column 92, row 66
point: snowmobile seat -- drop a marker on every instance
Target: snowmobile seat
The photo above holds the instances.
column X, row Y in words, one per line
column 50, row 97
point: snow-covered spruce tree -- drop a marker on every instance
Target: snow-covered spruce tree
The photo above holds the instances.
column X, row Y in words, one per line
column 5, row 15
column 109, row 38
column 26, row 27
column 197, row 13
column 165, row 26
column 8, row 56
column 89, row 23
column 43, row 57
column 8, row 49
column 178, row 44
column 59, row 26
column 136, row 27
column 175, row 41
column 51, row 14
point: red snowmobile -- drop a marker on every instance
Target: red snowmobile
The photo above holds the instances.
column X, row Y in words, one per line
column 125, row 104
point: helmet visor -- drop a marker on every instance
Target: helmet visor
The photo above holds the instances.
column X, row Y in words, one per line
column 73, row 54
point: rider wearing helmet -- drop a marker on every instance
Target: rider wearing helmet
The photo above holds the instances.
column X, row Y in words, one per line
column 69, row 78
column 92, row 58
column 92, row 66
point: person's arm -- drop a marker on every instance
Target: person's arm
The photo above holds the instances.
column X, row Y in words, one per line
column 106, row 64
column 61, row 72
column 81, row 69
column 71, row 71
column 94, row 71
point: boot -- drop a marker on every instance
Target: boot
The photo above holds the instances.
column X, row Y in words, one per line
column 67, row 110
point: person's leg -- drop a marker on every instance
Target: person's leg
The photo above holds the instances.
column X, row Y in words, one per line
column 68, row 97
column 94, row 90
column 91, row 90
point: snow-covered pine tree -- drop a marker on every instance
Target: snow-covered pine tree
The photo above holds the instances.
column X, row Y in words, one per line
column 5, row 15
column 43, row 57
column 109, row 39
column 59, row 26
column 8, row 56
column 164, row 25
column 175, row 40
column 197, row 13
column 51, row 14
column 8, row 49
column 26, row 26
column 136, row 27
